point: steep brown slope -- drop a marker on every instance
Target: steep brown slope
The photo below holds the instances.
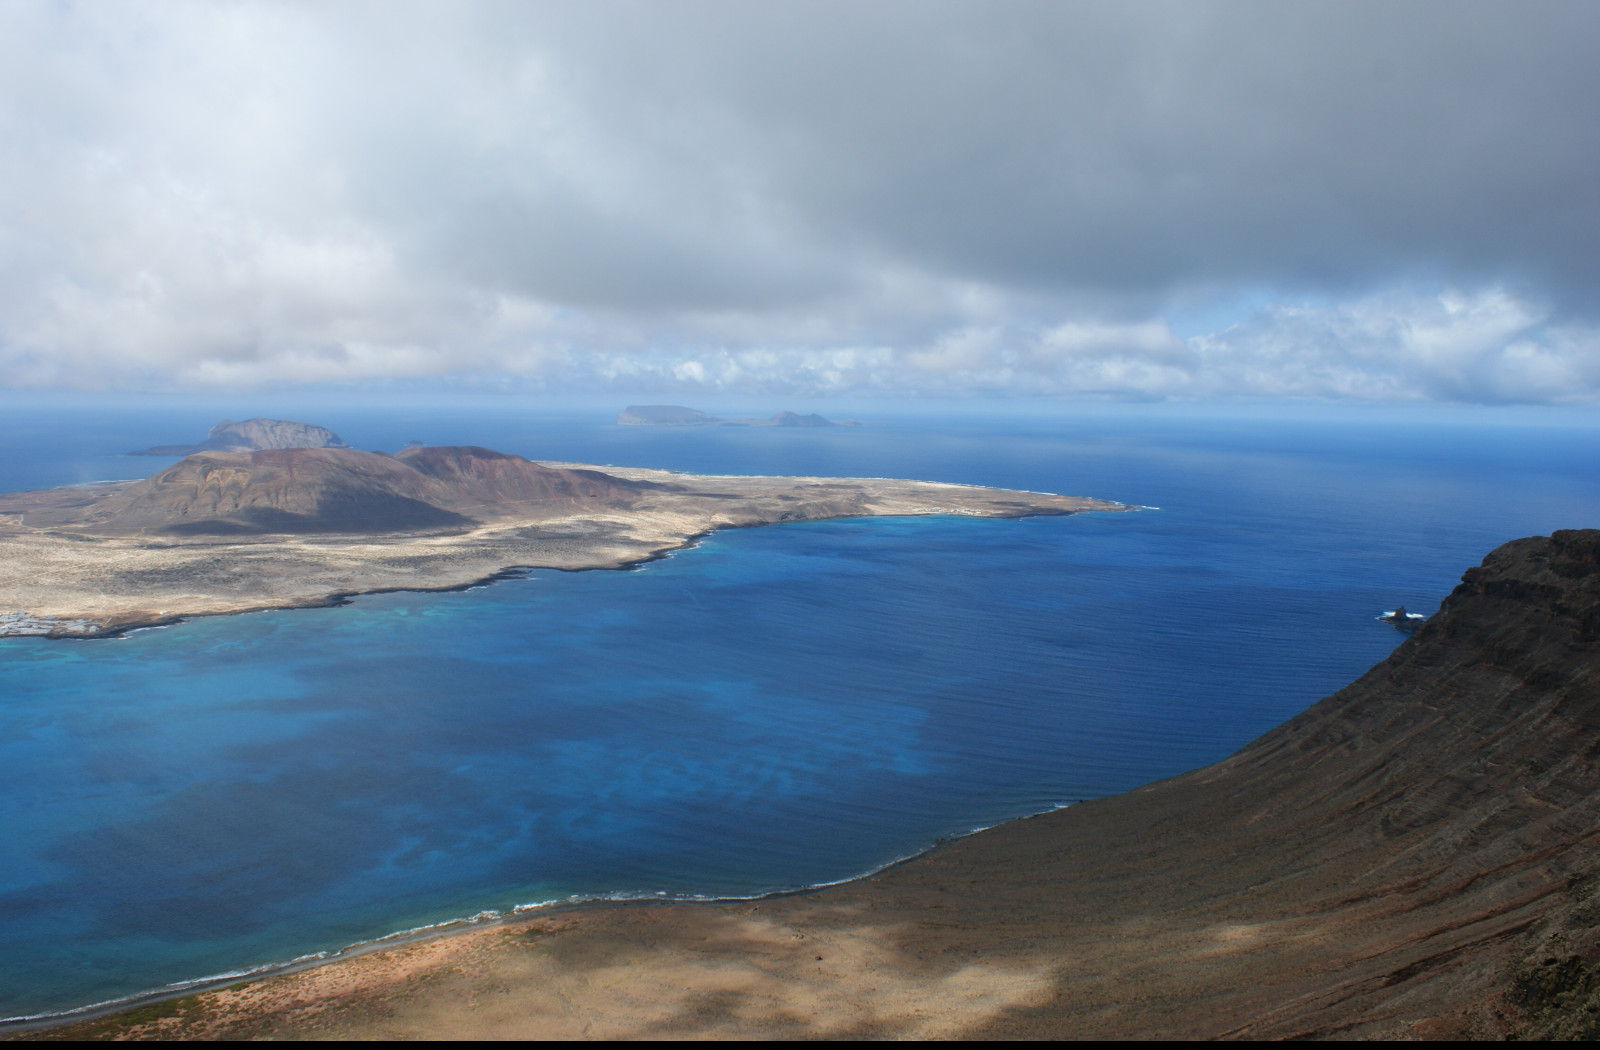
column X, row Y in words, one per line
column 239, row 532
column 283, row 490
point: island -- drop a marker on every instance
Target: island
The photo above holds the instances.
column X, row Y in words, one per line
column 678, row 416
column 252, row 434
column 234, row 531
column 1413, row 857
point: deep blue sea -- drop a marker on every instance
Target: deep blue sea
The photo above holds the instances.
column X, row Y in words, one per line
column 775, row 708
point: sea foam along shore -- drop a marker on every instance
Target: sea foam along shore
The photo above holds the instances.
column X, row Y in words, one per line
column 462, row 924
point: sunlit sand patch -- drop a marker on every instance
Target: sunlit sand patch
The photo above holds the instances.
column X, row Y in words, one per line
column 1234, row 937
column 745, row 974
column 627, row 976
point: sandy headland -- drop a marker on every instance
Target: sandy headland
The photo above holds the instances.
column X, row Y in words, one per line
column 228, row 532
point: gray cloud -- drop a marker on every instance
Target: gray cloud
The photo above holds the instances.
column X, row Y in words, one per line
column 886, row 197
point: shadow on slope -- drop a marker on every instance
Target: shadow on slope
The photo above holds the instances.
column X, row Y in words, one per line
column 368, row 513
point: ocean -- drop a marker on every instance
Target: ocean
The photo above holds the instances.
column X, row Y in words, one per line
column 775, row 708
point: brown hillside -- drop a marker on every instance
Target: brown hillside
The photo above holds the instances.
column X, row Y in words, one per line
column 325, row 490
column 481, row 479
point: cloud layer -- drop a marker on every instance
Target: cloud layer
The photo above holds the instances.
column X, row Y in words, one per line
column 1345, row 200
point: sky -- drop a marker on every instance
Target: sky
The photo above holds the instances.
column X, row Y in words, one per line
column 1393, row 202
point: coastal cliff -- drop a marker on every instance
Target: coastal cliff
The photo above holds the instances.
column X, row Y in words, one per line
column 1414, row 856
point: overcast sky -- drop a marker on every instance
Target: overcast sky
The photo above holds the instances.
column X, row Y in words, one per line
column 1372, row 201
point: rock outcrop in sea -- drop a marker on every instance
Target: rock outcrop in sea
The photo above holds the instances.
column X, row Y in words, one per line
column 1401, row 620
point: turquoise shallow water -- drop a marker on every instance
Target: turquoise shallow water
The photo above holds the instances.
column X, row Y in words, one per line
column 776, row 708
